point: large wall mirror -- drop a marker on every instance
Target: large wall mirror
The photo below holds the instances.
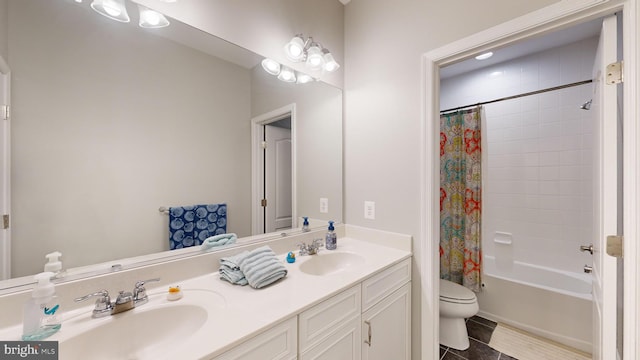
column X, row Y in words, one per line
column 111, row 122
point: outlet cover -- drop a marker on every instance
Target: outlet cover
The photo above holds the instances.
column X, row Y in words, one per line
column 324, row 205
column 370, row 210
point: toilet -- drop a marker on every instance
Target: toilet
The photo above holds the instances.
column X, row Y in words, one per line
column 456, row 303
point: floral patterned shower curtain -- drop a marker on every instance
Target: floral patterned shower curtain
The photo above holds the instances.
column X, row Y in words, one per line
column 460, row 197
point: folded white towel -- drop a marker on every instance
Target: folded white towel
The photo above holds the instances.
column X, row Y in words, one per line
column 218, row 240
column 261, row 267
column 230, row 268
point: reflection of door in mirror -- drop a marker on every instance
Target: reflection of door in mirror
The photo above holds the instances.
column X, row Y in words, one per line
column 5, row 236
column 277, row 175
column 273, row 171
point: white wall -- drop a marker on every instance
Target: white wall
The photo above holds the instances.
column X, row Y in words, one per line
column 265, row 26
column 318, row 138
column 85, row 145
column 383, row 99
column 538, row 171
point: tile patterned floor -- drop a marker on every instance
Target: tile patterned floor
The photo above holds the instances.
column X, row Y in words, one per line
column 480, row 331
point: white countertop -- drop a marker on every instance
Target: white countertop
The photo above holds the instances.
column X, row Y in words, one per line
column 242, row 311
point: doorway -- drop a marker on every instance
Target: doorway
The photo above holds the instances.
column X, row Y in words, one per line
column 498, row 37
column 273, row 171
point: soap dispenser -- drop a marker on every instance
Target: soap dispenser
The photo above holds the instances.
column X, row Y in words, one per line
column 331, row 240
column 53, row 264
column 41, row 312
column 305, row 224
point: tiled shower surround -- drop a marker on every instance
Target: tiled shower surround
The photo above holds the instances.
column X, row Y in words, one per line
column 537, row 168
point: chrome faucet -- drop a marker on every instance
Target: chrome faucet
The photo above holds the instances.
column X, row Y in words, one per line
column 310, row 249
column 124, row 302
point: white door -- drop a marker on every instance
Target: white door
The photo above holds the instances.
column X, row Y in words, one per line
column 278, row 214
column 605, row 196
column 5, row 167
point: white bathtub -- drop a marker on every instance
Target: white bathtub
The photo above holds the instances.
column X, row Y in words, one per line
column 563, row 282
column 547, row 302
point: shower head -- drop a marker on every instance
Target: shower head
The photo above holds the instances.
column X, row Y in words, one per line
column 586, row 105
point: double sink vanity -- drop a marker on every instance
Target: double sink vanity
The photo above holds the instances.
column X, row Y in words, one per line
column 349, row 303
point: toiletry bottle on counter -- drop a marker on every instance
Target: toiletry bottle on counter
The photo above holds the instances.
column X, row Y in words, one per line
column 331, row 240
column 305, row 224
column 41, row 312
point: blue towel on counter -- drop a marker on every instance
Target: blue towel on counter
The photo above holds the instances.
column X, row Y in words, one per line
column 230, row 269
column 219, row 240
column 261, row 267
column 192, row 225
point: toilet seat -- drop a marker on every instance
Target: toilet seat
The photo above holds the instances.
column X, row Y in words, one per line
column 454, row 293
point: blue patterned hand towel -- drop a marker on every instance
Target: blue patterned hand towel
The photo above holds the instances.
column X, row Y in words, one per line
column 230, row 268
column 191, row 225
column 218, row 240
column 261, row 267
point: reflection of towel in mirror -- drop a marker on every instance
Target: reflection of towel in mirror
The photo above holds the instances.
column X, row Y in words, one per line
column 230, row 269
column 261, row 267
column 218, row 240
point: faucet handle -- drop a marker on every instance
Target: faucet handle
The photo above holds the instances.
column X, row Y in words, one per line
column 124, row 297
column 140, row 293
column 317, row 243
column 103, row 303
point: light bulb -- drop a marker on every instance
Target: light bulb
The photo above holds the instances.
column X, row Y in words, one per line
column 303, row 78
column 151, row 18
column 113, row 9
column 330, row 63
column 287, row 75
column 315, row 58
column 271, row 66
column 295, row 48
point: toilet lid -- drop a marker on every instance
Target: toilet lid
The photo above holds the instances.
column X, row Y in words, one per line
column 450, row 291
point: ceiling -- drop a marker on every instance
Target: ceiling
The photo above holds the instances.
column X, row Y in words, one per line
column 523, row 48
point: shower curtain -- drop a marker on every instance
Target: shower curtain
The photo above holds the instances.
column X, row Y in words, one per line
column 460, row 197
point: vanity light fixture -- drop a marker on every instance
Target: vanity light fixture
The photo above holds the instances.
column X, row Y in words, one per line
column 113, row 9
column 271, row 66
column 484, row 56
column 287, row 74
column 303, row 78
column 312, row 53
column 151, row 19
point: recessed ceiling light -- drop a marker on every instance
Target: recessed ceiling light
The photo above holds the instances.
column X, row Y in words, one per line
column 484, row 56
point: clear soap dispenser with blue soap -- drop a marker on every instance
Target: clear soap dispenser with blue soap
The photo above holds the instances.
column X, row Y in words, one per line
column 331, row 240
column 305, row 224
column 42, row 311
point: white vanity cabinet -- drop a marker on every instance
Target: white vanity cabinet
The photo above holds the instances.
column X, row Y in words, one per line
column 277, row 343
column 331, row 329
column 368, row 321
column 386, row 317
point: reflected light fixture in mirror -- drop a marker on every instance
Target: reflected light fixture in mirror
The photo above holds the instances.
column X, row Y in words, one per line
column 287, row 75
column 303, row 78
column 113, row 9
column 151, row 19
column 271, row 66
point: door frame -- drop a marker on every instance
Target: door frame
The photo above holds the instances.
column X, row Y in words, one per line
column 5, row 182
column 257, row 166
column 553, row 17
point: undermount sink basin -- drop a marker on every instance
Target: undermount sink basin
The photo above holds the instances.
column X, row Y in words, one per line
column 326, row 263
column 147, row 332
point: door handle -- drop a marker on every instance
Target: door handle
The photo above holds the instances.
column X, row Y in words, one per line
column 588, row 248
column 588, row 269
column 368, row 341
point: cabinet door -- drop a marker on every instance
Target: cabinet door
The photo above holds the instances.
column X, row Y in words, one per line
column 343, row 344
column 278, row 343
column 386, row 327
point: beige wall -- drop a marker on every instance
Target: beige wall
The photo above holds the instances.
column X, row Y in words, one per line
column 102, row 139
column 383, row 47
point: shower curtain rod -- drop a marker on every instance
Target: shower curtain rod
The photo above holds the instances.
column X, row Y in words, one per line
column 519, row 95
